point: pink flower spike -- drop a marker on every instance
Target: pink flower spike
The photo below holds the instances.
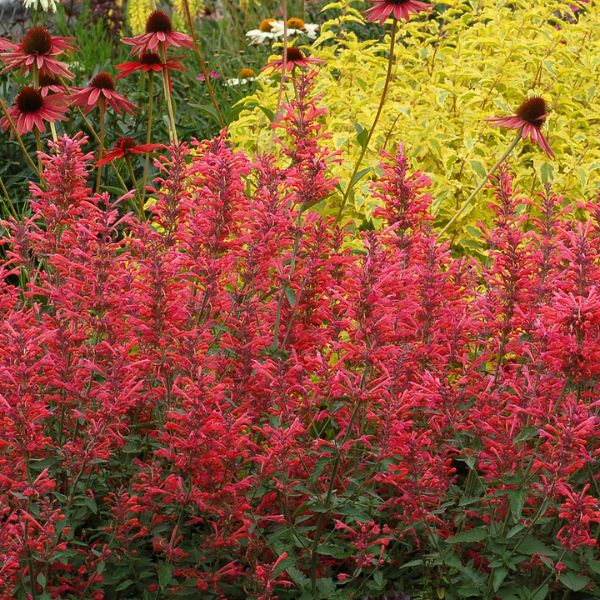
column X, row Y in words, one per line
column 399, row 9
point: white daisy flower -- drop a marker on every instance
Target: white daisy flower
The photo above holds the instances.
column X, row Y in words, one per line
column 45, row 5
column 269, row 29
column 245, row 76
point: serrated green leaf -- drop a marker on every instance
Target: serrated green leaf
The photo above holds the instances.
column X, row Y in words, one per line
column 472, row 535
column 517, row 502
column 574, row 581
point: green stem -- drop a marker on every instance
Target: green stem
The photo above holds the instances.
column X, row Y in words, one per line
column 484, row 180
column 202, row 64
column 168, row 99
column 283, row 56
column 101, row 114
column 388, row 78
column 148, row 135
column 286, row 285
column 13, row 127
column 9, row 203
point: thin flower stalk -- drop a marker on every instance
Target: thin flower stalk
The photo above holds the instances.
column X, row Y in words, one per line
column 483, row 182
column 388, row 78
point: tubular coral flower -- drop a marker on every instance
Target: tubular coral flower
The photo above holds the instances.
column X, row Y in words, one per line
column 579, row 510
column 102, row 87
column 399, row 9
column 149, row 61
column 529, row 118
column 38, row 50
column 124, row 146
column 31, row 109
column 295, row 58
column 159, row 34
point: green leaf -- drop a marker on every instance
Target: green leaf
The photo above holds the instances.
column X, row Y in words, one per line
column 124, row 585
column 361, row 135
column 574, row 581
column 540, row 594
column 498, row 577
column 478, row 168
column 517, row 502
column 526, row 434
column 531, row 545
column 472, row 535
column 283, row 565
column 165, row 574
column 298, row 577
column 268, row 112
column 290, row 294
column 332, row 550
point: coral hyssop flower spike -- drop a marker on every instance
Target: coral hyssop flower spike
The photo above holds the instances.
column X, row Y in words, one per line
column 102, row 87
column 530, row 117
column 37, row 50
column 31, row 109
column 159, row 34
column 399, row 9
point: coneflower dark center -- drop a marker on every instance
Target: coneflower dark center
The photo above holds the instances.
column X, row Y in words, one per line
column 150, row 58
column 533, row 111
column 37, row 41
column 159, row 22
column 103, row 81
column 294, row 54
column 398, row 2
column 46, row 80
column 29, row 100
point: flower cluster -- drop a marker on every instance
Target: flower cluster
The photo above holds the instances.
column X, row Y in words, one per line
column 238, row 398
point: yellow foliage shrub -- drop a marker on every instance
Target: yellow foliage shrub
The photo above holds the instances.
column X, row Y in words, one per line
column 453, row 69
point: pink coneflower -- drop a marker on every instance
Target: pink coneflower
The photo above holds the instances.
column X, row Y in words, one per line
column 159, row 34
column 399, row 9
column 124, row 146
column 31, row 109
column 102, row 87
column 295, row 58
column 50, row 84
column 38, row 49
column 147, row 62
column 529, row 118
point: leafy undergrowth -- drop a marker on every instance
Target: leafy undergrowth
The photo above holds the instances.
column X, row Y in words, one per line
column 227, row 401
